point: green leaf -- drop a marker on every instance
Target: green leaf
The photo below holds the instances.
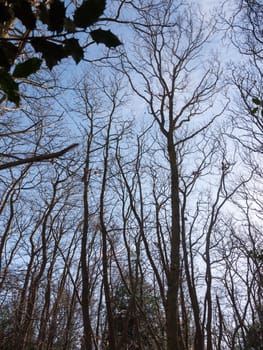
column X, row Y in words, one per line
column 5, row 14
column 256, row 101
column 56, row 14
column 8, row 53
column 89, row 12
column 23, row 70
column 73, row 49
column 43, row 13
column 254, row 111
column 9, row 86
column 105, row 37
column 69, row 25
column 23, row 11
column 51, row 52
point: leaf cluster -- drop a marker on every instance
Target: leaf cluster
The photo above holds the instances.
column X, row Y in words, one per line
column 60, row 40
column 258, row 106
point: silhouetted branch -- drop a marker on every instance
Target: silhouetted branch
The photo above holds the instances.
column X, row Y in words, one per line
column 38, row 158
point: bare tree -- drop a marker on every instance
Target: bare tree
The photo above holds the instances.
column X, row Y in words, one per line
column 160, row 74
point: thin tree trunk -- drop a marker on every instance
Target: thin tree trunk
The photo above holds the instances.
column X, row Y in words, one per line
column 172, row 309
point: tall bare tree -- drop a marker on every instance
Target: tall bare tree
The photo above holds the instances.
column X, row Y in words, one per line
column 160, row 72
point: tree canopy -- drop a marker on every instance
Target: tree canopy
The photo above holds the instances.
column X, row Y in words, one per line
column 131, row 206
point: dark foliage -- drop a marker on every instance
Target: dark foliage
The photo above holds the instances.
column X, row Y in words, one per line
column 59, row 42
column 105, row 37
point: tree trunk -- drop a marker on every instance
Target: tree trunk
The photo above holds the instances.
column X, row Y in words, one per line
column 172, row 309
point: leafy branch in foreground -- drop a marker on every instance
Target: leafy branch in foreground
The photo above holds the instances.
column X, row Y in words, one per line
column 22, row 23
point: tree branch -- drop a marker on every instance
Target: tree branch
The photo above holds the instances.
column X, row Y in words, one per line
column 38, row 158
